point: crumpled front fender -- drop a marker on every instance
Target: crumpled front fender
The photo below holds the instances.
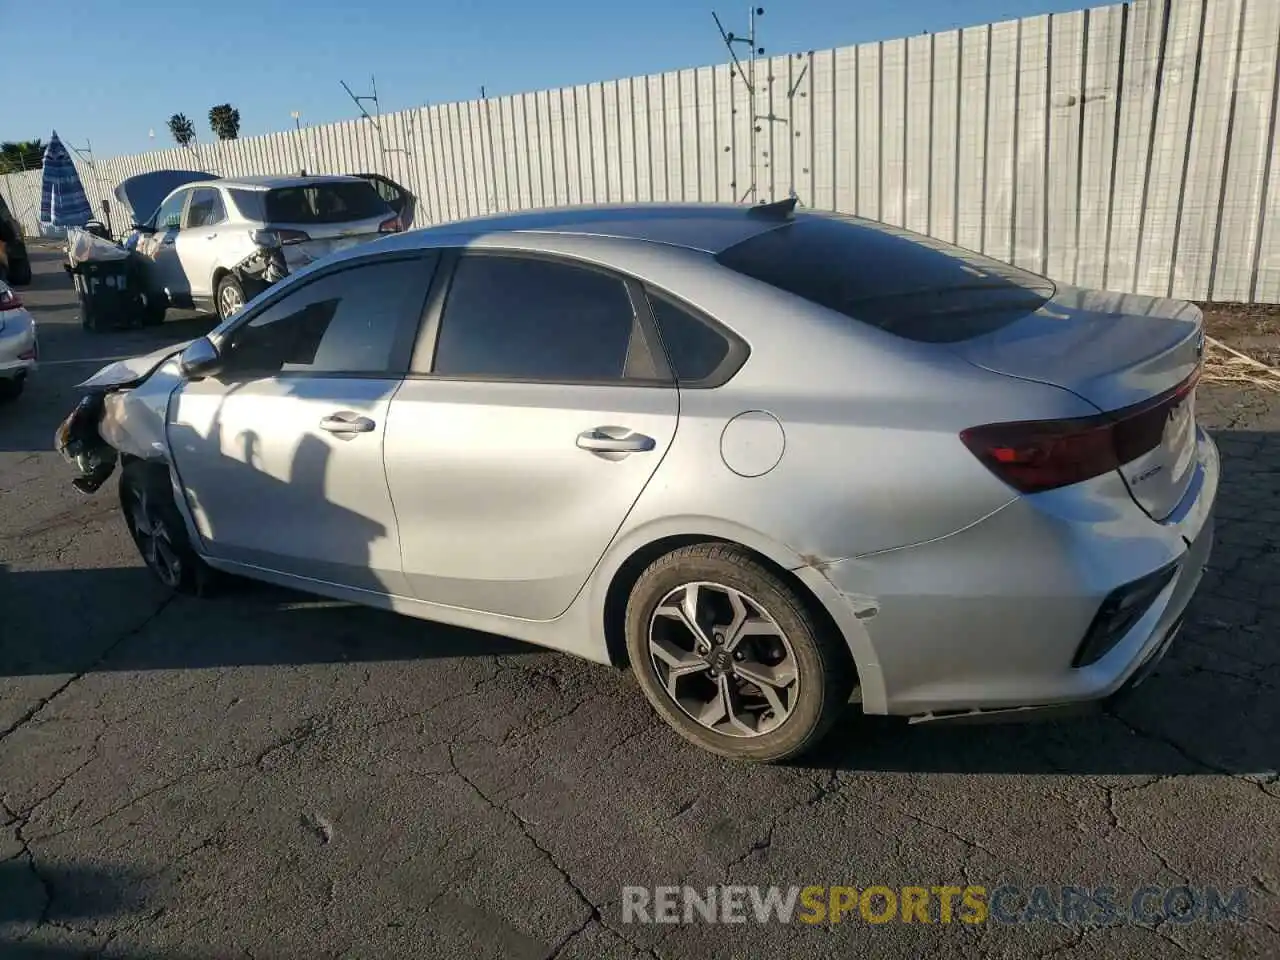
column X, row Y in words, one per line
column 133, row 421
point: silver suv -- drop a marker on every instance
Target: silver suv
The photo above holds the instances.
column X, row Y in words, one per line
column 202, row 237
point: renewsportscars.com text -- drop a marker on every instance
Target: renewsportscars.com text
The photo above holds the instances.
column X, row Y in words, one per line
column 1005, row 904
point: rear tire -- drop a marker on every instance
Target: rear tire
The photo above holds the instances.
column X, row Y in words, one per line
column 708, row 681
column 159, row 532
column 228, row 297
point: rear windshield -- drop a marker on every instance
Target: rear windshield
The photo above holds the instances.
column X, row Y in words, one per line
column 905, row 283
column 324, row 203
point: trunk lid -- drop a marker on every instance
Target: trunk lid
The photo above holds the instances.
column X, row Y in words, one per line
column 1122, row 353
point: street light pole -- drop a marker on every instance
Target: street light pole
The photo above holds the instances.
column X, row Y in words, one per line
column 297, row 143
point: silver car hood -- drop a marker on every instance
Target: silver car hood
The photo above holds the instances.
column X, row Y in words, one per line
column 131, row 370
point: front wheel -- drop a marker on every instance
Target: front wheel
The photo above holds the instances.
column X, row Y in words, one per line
column 729, row 655
column 229, row 297
column 158, row 531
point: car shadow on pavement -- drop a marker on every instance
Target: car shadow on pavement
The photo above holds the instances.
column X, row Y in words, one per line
column 57, row 621
column 64, row 900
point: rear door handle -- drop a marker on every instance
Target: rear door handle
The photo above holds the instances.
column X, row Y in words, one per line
column 210, row 236
column 599, row 440
column 346, row 422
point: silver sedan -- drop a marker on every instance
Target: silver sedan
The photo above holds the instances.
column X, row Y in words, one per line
column 18, row 344
column 777, row 461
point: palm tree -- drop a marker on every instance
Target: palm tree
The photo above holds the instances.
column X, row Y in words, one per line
column 184, row 132
column 224, row 120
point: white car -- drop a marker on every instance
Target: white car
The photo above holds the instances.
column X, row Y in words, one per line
column 204, row 237
column 18, row 345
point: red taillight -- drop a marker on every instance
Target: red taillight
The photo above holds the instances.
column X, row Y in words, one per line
column 1036, row 455
column 8, row 299
column 391, row 225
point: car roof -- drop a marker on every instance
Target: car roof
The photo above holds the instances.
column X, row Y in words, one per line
column 707, row 227
column 278, row 182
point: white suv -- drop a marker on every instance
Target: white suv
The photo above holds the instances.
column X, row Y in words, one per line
column 203, row 235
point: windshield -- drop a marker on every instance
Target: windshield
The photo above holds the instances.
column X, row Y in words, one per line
column 325, row 203
column 906, row 283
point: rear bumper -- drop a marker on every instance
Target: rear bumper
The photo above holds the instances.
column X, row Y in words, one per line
column 985, row 624
column 1152, row 650
column 18, row 349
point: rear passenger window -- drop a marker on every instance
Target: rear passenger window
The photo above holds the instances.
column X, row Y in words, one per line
column 525, row 318
column 205, row 208
column 694, row 349
column 346, row 322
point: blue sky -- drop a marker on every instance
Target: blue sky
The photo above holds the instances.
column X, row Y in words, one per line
column 116, row 75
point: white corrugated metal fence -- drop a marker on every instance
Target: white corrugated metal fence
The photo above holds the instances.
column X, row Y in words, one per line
column 1130, row 147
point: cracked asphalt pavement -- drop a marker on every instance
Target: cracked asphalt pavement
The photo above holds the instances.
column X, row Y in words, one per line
column 270, row 775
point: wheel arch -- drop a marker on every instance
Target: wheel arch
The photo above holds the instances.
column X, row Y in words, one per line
column 629, row 558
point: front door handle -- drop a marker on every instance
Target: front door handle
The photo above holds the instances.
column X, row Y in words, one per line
column 210, row 236
column 600, row 440
column 346, row 422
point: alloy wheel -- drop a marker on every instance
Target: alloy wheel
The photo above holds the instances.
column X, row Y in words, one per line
column 723, row 660
column 230, row 300
column 154, row 538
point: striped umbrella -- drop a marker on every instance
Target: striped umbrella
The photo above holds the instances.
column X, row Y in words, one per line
column 62, row 199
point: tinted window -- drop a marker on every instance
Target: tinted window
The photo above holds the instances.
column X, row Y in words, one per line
column 529, row 319
column 694, row 349
column 908, row 284
column 169, row 216
column 345, row 322
column 205, row 208
column 387, row 190
column 325, row 203
column 249, row 203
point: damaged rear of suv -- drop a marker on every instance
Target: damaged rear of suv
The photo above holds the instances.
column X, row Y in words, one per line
column 214, row 245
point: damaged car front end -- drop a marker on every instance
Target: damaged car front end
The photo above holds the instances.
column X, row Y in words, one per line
column 120, row 414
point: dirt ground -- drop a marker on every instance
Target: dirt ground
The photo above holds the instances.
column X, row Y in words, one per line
column 1251, row 328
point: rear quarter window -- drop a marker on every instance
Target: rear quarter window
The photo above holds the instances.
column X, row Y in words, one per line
column 249, row 203
column 904, row 283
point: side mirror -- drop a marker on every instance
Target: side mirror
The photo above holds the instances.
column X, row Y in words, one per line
column 144, row 228
column 200, row 359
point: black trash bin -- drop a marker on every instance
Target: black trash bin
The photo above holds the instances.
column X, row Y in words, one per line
column 110, row 293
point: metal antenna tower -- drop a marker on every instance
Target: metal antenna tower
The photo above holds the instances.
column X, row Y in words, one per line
column 99, row 181
column 359, row 101
column 748, row 77
column 374, row 118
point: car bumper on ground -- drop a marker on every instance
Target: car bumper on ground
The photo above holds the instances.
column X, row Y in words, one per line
column 989, row 622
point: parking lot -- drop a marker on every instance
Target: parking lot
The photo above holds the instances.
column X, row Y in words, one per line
column 268, row 775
